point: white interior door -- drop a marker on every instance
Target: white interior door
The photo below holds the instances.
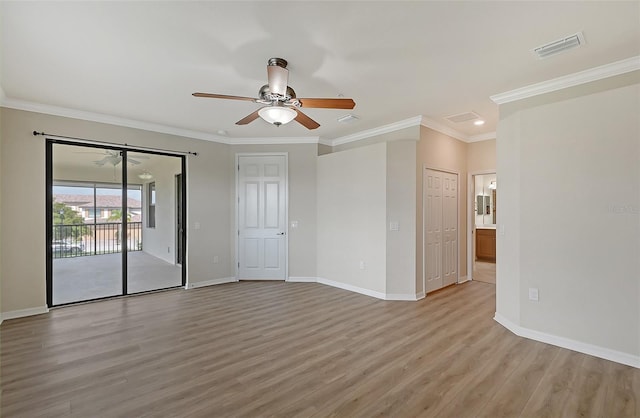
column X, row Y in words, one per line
column 262, row 221
column 450, row 229
column 440, row 229
column 433, row 229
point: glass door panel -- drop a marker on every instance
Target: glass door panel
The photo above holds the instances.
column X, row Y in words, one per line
column 152, row 233
column 86, row 189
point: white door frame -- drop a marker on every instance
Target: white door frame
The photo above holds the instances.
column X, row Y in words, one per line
column 471, row 218
column 424, row 237
column 236, row 169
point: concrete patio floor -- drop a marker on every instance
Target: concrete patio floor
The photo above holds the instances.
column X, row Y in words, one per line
column 82, row 278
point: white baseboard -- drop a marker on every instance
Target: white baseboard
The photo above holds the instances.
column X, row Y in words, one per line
column 352, row 288
column 420, row 295
column 211, row 282
column 580, row 347
column 24, row 312
column 294, row 279
column 463, row 279
column 401, row 296
column 357, row 289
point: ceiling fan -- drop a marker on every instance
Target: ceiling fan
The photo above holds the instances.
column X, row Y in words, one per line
column 282, row 105
column 115, row 157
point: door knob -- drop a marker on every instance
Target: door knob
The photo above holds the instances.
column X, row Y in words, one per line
column 281, row 233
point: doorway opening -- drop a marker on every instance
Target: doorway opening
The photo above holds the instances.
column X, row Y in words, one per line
column 111, row 230
column 483, row 211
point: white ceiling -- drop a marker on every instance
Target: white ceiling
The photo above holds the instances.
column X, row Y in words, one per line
column 142, row 60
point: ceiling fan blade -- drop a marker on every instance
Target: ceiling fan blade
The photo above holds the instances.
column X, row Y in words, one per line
column 338, row 103
column 102, row 161
column 132, row 161
column 223, row 96
column 305, row 120
column 249, row 118
column 278, row 78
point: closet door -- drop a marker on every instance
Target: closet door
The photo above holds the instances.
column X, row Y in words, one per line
column 450, row 229
column 440, row 191
column 432, row 229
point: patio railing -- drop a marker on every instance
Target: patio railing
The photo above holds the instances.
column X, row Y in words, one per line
column 94, row 239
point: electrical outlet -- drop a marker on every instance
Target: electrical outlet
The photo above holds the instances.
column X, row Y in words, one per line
column 215, row 259
column 362, row 265
column 533, row 294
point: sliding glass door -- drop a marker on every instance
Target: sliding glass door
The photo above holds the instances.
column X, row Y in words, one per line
column 151, row 261
column 110, row 213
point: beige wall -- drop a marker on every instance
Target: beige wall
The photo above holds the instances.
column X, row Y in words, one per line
column 572, row 155
column 401, row 203
column 160, row 241
column 481, row 156
column 352, row 217
column 441, row 152
column 22, row 208
column 302, row 160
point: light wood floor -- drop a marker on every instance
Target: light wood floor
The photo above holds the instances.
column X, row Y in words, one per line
column 484, row 271
column 254, row 349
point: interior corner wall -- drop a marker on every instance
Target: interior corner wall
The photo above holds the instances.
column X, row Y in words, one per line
column 302, row 161
column 23, row 214
column 438, row 151
column 401, row 220
column 351, row 213
column 569, row 179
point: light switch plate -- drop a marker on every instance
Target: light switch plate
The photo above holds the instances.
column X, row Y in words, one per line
column 533, row 294
column 394, row 226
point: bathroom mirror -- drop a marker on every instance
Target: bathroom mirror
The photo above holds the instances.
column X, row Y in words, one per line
column 483, row 204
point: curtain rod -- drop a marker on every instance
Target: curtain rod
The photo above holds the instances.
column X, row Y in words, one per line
column 125, row 145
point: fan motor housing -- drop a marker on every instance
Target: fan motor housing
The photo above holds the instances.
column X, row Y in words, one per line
column 265, row 94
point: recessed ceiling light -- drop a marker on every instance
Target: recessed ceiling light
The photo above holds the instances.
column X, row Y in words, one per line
column 479, row 122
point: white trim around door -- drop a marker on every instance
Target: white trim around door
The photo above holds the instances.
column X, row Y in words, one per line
column 471, row 219
column 262, row 242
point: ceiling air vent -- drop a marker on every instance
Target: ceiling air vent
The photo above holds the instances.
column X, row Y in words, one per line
column 561, row 45
column 463, row 117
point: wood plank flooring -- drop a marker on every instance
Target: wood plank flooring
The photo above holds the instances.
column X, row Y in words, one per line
column 485, row 272
column 254, row 349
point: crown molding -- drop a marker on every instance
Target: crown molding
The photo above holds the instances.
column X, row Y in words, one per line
column 108, row 119
column 274, row 141
column 187, row 133
column 135, row 124
column 443, row 129
column 482, row 137
column 384, row 129
column 582, row 77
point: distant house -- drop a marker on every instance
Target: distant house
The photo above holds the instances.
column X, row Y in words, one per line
column 103, row 207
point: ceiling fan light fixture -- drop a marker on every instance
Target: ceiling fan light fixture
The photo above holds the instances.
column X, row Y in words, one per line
column 277, row 114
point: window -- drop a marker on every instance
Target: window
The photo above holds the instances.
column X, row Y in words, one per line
column 151, row 205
